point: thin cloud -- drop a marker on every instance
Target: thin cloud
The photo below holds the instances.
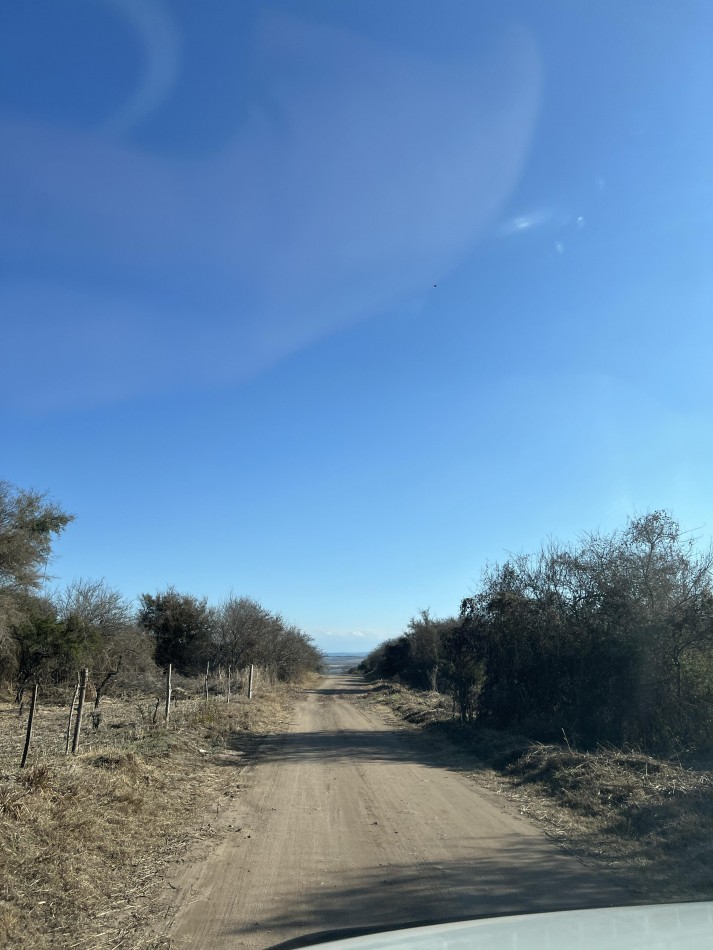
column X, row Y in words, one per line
column 550, row 220
column 525, row 222
column 341, row 634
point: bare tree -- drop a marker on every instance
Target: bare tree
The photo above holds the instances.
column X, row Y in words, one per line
column 103, row 619
column 95, row 605
column 246, row 632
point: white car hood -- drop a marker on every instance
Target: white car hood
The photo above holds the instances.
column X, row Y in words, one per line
column 647, row 927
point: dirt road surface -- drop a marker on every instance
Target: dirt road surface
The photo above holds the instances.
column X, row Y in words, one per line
column 349, row 821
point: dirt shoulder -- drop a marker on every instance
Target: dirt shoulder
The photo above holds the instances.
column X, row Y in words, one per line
column 86, row 841
column 649, row 819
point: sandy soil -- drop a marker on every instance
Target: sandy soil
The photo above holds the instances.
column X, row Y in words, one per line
column 349, row 821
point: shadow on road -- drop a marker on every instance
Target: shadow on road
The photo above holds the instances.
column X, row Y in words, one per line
column 354, row 746
column 386, row 744
column 349, row 684
column 509, row 880
column 339, row 691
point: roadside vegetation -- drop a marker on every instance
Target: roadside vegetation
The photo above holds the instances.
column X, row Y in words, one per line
column 647, row 818
column 89, row 843
column 609, row 640
column 581, row 677
column 47, row 635
column 85, row 837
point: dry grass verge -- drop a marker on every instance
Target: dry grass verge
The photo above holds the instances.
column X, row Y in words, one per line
column 84, row 840
column 649, row 819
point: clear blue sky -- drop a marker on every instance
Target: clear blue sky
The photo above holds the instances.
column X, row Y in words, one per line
column 221, row 225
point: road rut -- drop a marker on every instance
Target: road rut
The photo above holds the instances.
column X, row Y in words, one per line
column 348, row 821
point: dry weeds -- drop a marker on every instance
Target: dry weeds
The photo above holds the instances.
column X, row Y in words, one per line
column 84, row 840
column 647, row 818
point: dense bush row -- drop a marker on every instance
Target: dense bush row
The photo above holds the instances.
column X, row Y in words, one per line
column 606, row 640
column 47, row 637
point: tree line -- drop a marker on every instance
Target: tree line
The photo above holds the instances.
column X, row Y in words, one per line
column 46, row 636
column 607, row 640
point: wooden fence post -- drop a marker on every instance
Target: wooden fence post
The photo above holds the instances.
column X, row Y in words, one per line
column 83, row 676
column 71, row 713
column 207, row 670
column 227, row 695
column 30, row 721
column 168, row 694
column 250, row 682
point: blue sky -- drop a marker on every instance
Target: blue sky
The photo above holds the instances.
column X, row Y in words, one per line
column 330, row 303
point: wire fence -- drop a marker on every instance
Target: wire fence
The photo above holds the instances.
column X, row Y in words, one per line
column 66, row 719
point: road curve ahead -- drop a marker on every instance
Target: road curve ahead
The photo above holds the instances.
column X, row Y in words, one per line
column 347, row 821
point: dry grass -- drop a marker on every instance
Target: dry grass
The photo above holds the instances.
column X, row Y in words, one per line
column 649, row 819
column 84, row 840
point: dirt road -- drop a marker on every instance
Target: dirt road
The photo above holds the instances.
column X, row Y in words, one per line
column 348, row 821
